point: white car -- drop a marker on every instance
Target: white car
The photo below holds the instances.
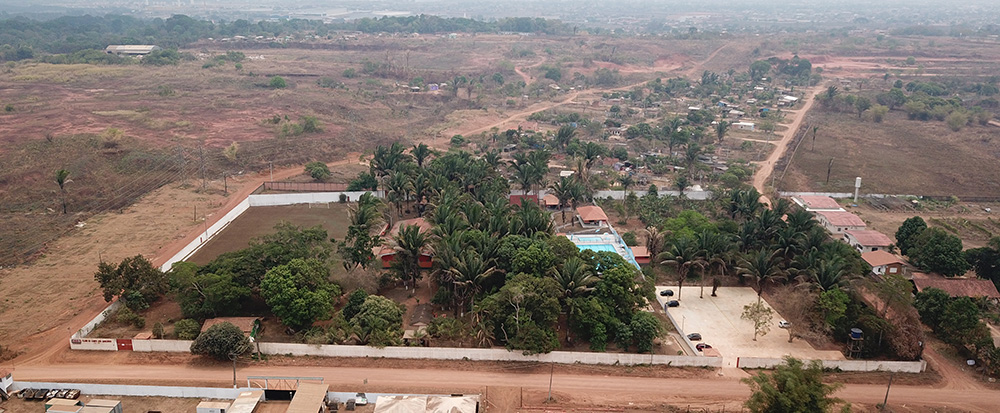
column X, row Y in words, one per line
column 784, row 324
column 360, row 399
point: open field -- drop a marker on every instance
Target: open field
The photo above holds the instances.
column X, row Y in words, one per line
column 898, row 156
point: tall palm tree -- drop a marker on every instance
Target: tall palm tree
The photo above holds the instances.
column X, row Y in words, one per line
column 410, row 243
column 654, row 241
column 469, row 273
column 762, row 267
column 421, row 153
column 61, row 179
column 830, row 274
column 801, row 221
column 387, row 159
column 712, row 249
column 524, row 175
column 563, row 190
column 564, row 136
column 744, row 204
column 575, row 278
column 592, row 151
column 683, row 255
column 720, row 130
column 398, row 189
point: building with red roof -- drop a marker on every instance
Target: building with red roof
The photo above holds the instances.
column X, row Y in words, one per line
column 866, row 240
column 839, row 221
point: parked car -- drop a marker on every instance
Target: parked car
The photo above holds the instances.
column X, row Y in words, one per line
column 360, row 399
column 25, row 392
column 51, row 394
column 702, row 346
column 673, row 303
column 694, row 336
column 63, row 393
column 784, row 324
column 39, row 394
column 73, row 394
column 667, row 293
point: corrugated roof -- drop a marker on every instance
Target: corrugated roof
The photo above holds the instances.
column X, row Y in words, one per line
column 879, row 258
column 246, row 402
column 309, row 397
column 420, row 222
column 959, row 287
column 816, row 202
column 592, row 213
column 519, row 199
column 842, row 219
column 550, row 200
column 870, row 238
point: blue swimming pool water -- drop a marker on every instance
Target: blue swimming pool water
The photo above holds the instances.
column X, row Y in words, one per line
column 598, row 247
column 590, row 239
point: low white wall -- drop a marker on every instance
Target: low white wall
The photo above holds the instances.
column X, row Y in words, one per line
column 845, row 365
column 684, row 340
column 619, row 195
column 134, row 390
column 90, row 326
column 170, row 346
column 102, row 344
column 207, row 235
column 305, row 198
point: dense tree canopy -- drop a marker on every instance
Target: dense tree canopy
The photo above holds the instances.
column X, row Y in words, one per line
column 791, row 388
column 223, row 341
column 299, row 292
column 135, row 281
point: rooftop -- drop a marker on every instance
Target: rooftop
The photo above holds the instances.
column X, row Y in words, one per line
column 550, row 200
column 308, row 398
column 880, row 258
column 591, row 213
column 870, row 238
column 959, row 287
column 640, row 251
column 842, row 218
column 811, row 202
column 420, row 222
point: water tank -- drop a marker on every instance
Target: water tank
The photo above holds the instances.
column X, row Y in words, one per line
column 855, row 334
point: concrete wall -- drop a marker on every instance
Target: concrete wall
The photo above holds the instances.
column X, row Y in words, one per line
column 133, row 390
column 170, row 346
column 208, row 234
column 305, row 198
column 90, row 326
column 684, row 340
column 845, row 365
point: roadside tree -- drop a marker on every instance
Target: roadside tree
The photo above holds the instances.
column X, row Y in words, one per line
column 791, row 388
column 223, row 341
column 135, row 281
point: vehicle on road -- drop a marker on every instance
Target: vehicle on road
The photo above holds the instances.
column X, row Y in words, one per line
column 360, row 399
column 784, row 324
column 673, row 303
column 666, row 293
column 694, row 336
column 702, row 346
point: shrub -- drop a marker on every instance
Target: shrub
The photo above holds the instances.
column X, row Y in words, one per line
column 956, row 120
column 629, row 238
column 278, row 82
column 221, row 342
column 158, row 330
column 318, row 170
column 187, row 329
column 126, row 316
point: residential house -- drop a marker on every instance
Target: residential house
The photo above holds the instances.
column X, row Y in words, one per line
column 960, row 287
column 883, row 262
column 866, row 240
column 815, row 203
column 386, row 252
column 520, row 199
column 551, row 202
column 839, row 221
column 744, row 126
column 592, row 216
column 641, row 254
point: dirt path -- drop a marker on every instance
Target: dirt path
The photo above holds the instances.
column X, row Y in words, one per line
column 766, row 167
column 569, row 389
column 526, row 77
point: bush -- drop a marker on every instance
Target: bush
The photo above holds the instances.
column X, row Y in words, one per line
column 446, row 328
column 126, row 316
column 158, row 330
column 350, row 73
column 343, row 198
column 278, row 82
column 221, row 342
column 956, row 120
column 629, row 238
column 187, row 329
column 318, row 171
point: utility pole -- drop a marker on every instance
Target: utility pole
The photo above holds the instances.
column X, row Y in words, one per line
column 225, row 183
column 886, row 400
column 552, row 369
column 201, row 156
column 271, row 165
column 829, row 169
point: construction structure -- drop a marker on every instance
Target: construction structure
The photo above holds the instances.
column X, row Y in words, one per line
column 131, row 50
column 309, row 398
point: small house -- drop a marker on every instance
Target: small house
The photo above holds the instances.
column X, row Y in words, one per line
column 641, row 254
column 592, row 216
column 744, row 126
column 839, row 221
column 883, row 262
column 866, row 240
column 520, row 199
column 816, row 203
column 386, row 252
column 551, row 202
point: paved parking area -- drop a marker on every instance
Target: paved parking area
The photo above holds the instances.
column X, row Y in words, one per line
column 718, row 320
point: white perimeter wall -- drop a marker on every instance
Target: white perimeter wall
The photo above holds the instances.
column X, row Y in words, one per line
column 133, row 390
column 170, row 346
column 305, row 198
column 845, row 365
column 207, row 235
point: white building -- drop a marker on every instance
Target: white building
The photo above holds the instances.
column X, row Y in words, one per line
column 866, row 240
column 837, row 222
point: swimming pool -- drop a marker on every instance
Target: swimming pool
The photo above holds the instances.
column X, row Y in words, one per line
column 598, row 247
column 588, row 239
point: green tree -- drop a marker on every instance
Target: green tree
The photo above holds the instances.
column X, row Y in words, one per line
column 720, row 130
column 410, row 243
column 379, row 322
column 683, row 255
column 299, row 292
column 645, row 328
column 791, row 388
column 931, row 304
column 135, row 281
column 354, row 302
column 907, row 233
column 61, row 179
column 861, row 105
column 522, row 315
column 223, row 341
column 318, row 171
column 760, row 315
column 277, row 82
column 564, row 136
column 759, row 69
column 833, row 305
column 187, row 329
column 206, row 295
column 986, row 260
column 937, row 251
column 761, row 266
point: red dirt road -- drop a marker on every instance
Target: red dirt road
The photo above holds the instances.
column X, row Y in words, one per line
column 571, row 389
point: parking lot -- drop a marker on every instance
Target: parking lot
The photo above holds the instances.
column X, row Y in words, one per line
column 718, row 321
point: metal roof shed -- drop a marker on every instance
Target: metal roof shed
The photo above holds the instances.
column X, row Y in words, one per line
column 246, row 402
column 309, row 398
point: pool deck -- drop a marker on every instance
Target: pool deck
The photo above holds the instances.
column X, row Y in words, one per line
column 603, row 242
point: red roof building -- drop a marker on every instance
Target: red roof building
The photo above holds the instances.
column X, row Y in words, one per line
column 866, row 240
column 959, row 287
column 839, row 221
column 815, row 203
column 385, row 253
column 883, row 262
column 592, row 215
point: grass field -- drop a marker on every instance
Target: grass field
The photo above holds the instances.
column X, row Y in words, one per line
column 260, row 221
column 898, row 156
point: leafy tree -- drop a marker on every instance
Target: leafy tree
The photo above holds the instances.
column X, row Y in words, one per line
column 759, row 69
column 986, row 260
column 277, row 82
column 206, row 295
column 791, row 388
column 936, row 250
column 894, row 291
column 833, row 305
column 223, row 341
column 907, row 233
column 61, row 180
column 187, row 329
column 318, row 171
column 379, row 321
column 760, row 315
column 354, row 302
column 135, row 281
column 523, row 314
column 288, row 242
column 645, row 328
column 931, row 304
column 299, row 292
column 861, row 105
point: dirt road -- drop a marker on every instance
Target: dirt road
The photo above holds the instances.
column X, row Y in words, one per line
column 766, row 167
column 570, row 389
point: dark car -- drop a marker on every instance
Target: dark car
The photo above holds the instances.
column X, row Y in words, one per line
column 673, row 303
column 667, row 293
column 702, row 346
column 694, row 336
column 25, row 393
column 39, row 394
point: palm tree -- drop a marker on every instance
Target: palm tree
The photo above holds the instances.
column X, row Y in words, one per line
column 564, row 136
column 712, row 250
column 421, row 152
column 691, row 156
column 762, row 267
column 681, row 183
column 563, row 190
column 720, row 130
column 592, row 151
column 627, row 182
column 61, row 179
column 682, row 254
column 469, row 273
column 575, row 278
column 654, row 241
column 830, row 274
column 523, row 175
column 387, row 159
column 410, row 243
column 744, row 204
column 398, row 188
column 801, row 221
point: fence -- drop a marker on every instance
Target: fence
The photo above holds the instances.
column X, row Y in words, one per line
column 304, row 186
column 844, row 365
column 258, row 200
column 207, row 235
column 136, row 390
